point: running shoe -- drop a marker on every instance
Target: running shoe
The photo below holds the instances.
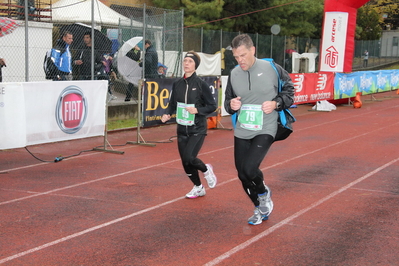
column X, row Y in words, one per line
column 210, row 176
column 257, row 218
column 265, row 202
column 197, row 191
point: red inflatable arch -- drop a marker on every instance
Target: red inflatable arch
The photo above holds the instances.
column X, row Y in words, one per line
column 338, row 38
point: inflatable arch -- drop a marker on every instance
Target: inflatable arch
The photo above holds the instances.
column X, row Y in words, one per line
column 338, row 37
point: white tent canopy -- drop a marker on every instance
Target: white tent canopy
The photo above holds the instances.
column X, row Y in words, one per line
column 71, row 11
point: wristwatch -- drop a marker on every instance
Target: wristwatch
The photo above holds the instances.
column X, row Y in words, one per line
column 278, row 104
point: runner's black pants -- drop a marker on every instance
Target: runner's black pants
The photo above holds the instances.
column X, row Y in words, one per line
column 248, row 155
column 189, row 147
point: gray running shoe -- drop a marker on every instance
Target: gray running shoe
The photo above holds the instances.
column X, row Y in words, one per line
column 196, row 192
column 210, row 176
column 257, row 218
column 265, row 202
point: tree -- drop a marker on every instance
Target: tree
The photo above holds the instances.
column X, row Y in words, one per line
column 368, row 24
column 296, row 18
column 388, row 11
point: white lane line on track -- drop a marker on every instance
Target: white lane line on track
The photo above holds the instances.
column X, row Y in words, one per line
column 55, row 242
column 294, row 216
column 225, row 255
column 101, row 179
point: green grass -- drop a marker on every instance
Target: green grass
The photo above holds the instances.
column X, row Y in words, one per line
column 392, row 67
column 120, row 124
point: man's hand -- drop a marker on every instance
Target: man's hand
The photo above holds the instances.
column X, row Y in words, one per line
column 78, row 62
column 235, row 103
column 268, row 106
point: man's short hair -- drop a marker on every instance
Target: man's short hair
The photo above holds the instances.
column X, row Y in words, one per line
column 87, row 33
column 148, row 42
column 242, row 39
column 65, row 33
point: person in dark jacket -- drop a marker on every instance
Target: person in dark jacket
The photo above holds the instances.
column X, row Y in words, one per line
column 151, row 61
column 83, row 59
column 191, row 99
column 252, row 93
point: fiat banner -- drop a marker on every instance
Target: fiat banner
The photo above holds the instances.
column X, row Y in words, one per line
column 40, row 112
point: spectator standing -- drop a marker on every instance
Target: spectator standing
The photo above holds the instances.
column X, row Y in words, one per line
column 2, row 64
column 83, row 59
column 365, row 58
column 61, row 57
column 251, row 92
column 191, row 99
column 151, row 60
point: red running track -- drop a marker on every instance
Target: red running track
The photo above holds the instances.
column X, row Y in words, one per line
column 335, row 186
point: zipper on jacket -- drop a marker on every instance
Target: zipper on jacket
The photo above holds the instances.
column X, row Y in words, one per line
column 185, row 100
column 249, row 80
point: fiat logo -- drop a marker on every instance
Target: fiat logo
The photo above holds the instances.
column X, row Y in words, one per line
column 71, row 110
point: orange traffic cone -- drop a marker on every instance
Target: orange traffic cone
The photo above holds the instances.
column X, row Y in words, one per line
column 357, row 103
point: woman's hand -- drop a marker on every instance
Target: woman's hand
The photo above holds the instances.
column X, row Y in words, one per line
column 165, row 118
column 192, row 110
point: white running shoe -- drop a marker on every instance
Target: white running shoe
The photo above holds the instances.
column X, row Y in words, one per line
column 257, row 218
column 265, row 202
column 197, row 191
column 210, row 176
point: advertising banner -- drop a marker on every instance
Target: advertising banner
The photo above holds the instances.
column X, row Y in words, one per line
column 12, row 116
column 156, row 94
column 332, row 54
column 42, row 112
column 313, row 87
column 339, row 6
column 366, row 82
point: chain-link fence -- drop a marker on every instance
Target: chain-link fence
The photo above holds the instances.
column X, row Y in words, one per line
column 40, row 23
column 25, row 47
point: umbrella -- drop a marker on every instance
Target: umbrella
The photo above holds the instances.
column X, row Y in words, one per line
column 290, row 51
column 101, row 41
column 7, row 25
column 128, row 67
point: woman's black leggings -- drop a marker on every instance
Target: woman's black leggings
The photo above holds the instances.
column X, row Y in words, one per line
column 248, row 155
column 189, row 147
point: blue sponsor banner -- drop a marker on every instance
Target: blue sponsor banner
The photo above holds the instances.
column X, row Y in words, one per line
column 366, row 82
column 394, row 79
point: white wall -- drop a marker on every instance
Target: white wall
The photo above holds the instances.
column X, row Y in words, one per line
column 387, row 48
column 13, row 51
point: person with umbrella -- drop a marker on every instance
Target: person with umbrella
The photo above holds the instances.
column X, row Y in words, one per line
column 134, row 54
column 62, row 59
